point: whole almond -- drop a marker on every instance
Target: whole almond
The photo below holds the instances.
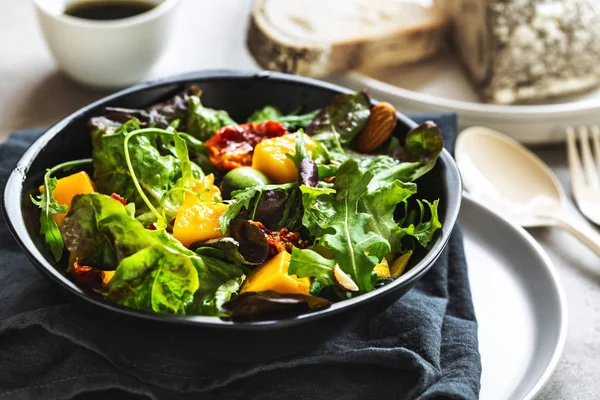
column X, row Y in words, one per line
column 380, row 127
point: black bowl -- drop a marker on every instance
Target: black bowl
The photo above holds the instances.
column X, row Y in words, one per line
column 239, row 93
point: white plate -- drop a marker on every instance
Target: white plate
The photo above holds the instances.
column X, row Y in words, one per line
column 440, row 85
column 519, row 303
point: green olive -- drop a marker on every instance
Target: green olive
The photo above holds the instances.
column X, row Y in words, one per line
column 241, row 178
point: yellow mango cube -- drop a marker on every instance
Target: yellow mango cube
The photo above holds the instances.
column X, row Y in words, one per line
column 400, row 263
column 272, row 275
column 67, row 188
column 270, row 158
column 198, row 218
column 382, row 270
column 207, row 189
column 106, row 277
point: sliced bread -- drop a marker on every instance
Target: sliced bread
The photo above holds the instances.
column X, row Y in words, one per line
column 319, row 37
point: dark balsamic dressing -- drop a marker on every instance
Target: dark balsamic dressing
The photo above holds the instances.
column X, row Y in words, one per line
column 108, row 10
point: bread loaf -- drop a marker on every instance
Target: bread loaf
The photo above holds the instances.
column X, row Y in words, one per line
column 319, row 37
column 523, row 50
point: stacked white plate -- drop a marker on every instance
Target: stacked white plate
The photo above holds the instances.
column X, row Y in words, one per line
column 440, row 85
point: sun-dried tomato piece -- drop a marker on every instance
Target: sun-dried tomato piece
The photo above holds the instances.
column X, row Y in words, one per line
column 281, row 240
column 86, row 276
column 119, row 198
column 232, row 146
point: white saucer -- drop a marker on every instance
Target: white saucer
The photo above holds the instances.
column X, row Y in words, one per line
column 519, row 303
column 440, row 85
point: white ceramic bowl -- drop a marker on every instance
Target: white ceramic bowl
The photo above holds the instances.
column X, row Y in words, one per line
column 106, row 54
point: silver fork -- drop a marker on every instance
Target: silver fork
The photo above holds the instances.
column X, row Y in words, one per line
column 585, row 177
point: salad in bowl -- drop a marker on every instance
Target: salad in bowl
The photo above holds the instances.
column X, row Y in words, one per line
column 182, row 210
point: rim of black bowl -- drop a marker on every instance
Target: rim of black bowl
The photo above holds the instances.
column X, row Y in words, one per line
column 13, row 214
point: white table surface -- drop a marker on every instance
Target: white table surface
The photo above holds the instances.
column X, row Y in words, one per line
column 33, row 93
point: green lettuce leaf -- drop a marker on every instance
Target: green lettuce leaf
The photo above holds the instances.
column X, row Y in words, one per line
column 99, row 231
column 160, row 115
column 212, row 305
column 156, row 280
column 157, row 171
column 203, row 122
column 343, row 118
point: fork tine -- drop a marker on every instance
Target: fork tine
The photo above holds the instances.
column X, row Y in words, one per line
column 589, row 168
column 574, row 162
column 596, row 140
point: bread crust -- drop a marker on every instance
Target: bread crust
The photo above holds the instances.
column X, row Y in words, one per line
column 274, row 51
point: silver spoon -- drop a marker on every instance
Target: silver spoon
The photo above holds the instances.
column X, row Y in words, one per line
column 504, row 175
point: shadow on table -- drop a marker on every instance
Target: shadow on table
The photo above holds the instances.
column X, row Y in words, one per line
column 571, row 253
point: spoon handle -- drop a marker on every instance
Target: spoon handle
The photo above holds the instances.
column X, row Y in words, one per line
column 583, row 232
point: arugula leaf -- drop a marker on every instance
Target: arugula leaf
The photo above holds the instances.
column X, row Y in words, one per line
column 203, row 122
column 212, row 305
column 298, row 121
column 181, row 149
column 327, row 170
column 291, row 121
column 338, row 225
column 49, row 207
column 267, row 113
column 48, row 226
column 424, row 230
column 386, row 169
column 309, row 263
column 331, row 145
column 385, row 191
column 381, row 204
column 355, row 221
column 344, row 117
column 301, row 152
